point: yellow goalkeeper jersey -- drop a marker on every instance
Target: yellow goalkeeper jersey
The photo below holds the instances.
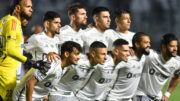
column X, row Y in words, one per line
column 11, row 39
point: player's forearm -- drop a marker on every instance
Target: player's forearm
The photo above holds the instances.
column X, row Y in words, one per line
column 12, row 52
column 173, row 83
column 30, row 88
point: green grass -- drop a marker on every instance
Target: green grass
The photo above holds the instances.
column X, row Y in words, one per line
column 175, row 96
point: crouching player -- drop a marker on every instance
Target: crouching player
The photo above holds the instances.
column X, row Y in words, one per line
column 35, row 85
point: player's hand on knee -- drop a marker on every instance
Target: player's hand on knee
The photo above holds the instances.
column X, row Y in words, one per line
column 53, row 56
column 164, row 98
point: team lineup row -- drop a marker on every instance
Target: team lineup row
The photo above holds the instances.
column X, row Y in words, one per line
column 125, row 74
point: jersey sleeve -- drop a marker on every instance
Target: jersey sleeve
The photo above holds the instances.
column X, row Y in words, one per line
column 31, row 44
column 11, row 28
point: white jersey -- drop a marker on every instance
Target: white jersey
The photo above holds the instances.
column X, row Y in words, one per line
column 129, row 75
column 91, row 35
column 73, row 78
column 116, row 35
column 40, row 45
column 96, row 86
column 155, row 74
column 45, row 82
column 68, row 34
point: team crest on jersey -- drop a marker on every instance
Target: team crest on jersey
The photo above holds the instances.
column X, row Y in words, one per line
column 4, row 21
column 47, row 84
column 75, row 77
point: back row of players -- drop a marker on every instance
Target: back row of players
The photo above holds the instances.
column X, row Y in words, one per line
column 117, row 77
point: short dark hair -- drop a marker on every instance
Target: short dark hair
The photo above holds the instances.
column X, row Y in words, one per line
column 119, row 12
column 73, row 9
column 137, row 38
column 96, row 11
column 69, row 45
column 13, row 4
column 50, row 15
column 97, row 44
column 167, row 38
column 120, row 42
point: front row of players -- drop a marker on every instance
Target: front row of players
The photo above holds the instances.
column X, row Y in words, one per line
column 116, row 77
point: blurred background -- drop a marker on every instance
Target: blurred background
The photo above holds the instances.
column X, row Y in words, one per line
column 155, row 17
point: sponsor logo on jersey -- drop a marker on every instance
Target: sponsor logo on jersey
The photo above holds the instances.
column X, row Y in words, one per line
column 47, row 84
column 75, row 77
column 131, row 75
column 14, row 25
column 155, row 73
column 104, row 80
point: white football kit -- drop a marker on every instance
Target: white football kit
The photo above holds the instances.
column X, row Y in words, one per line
column 98, row 83
column 68, row 34
column 127, row 81
column 72, row 80
column 92, row 34
column 155, row 74
column 113, row 35
column 44, row 85
column 40, row 45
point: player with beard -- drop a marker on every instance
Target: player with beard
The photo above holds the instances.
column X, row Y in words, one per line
column 78, row 20
column 77, row 75
column 73, row 31
column 129, row 73
column 47, row 41
column 158, row 68
column 35, row 85
column 11, row 39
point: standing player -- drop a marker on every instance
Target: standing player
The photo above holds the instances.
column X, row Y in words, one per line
column 11, row 39
column 73, row 31
column 101, row 17
column 123, row 23
column 158, row 68
column 78, row 19
column 104, row 76
column 77, row 75
column 35, row 85
column 47, row 41
column 129, row 73
column 36, row 29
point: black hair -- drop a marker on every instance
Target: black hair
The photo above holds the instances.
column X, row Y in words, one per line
column 120, row 42
column 96, row 11
column 13, row 4
column 68, row 47
column 50, row 15
column 167, row 38
column 97, row 44
column 72, row 9
column 137, row 38
column 119, row 12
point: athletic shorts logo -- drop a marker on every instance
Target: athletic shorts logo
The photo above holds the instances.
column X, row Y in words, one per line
column 47, row 84
column 75, row 77
column 101, row 80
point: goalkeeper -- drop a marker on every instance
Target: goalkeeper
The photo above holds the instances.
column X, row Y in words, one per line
column 11, row 39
